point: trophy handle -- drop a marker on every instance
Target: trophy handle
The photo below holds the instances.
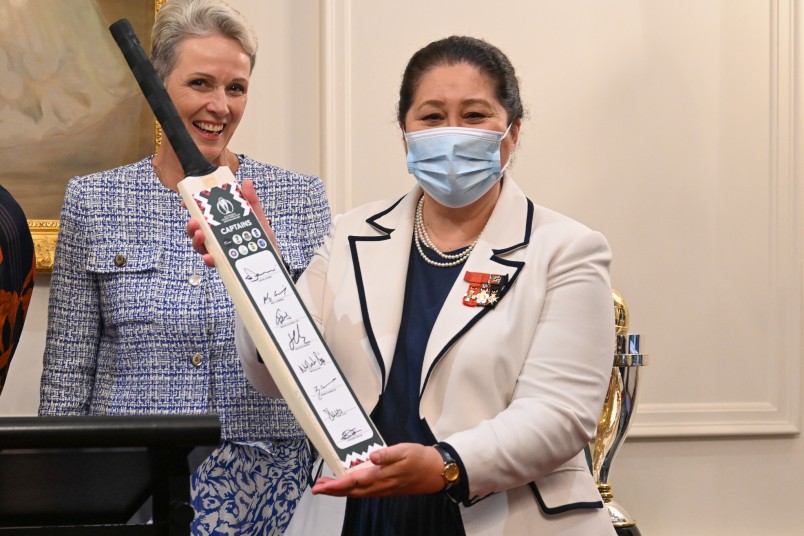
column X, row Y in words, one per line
column 618, row 410
column 607, row 425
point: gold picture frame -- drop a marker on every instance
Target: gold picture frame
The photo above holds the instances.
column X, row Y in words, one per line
column 61, row 129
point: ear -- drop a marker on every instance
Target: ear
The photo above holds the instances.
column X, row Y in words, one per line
column 404, row 141
column 515, row 131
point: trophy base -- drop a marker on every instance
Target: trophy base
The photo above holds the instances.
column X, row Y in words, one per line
column 623, row 523
column 628, row 531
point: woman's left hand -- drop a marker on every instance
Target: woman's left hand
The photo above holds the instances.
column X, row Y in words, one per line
column 197, row 235
column 403, row 469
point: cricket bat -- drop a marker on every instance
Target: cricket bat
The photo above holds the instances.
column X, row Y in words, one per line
column 287, row 338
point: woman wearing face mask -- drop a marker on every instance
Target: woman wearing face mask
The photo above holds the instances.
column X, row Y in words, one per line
column 475, row 327
column 138, row 325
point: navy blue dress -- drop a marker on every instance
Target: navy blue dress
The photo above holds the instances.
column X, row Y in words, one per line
column 397, row 414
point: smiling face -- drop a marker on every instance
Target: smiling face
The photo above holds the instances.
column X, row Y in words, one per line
column 209, row 86
column 460, row 95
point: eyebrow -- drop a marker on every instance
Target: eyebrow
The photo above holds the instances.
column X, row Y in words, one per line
column 203, row 74
column 436, row 102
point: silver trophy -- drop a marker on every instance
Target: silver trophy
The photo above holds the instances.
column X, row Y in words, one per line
column 615, row 418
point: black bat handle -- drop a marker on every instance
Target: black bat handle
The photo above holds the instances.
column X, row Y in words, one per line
column 193, row 162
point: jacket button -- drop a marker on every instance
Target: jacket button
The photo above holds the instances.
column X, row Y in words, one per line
column 195, row 280
column 196, row 360
column 119, row 260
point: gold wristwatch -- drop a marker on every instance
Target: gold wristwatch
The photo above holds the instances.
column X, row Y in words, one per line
column 451, row 472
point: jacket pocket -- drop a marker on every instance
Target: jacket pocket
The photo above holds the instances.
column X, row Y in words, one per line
column 126, row 276
column 566, row 489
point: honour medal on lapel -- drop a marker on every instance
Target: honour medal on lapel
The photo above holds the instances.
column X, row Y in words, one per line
column 484, row 289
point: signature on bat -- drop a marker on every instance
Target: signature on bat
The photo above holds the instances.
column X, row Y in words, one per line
column 333, row 414
column 275, row 296
column 312, row 363
column 254, row 277
column 325, row 389
column 281, row 317
column 296, row 339
column 351, row 433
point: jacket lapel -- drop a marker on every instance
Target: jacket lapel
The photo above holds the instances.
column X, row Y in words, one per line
column 496, row 252
column 380, row 259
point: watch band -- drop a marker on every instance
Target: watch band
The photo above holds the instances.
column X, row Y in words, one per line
column 451, row 472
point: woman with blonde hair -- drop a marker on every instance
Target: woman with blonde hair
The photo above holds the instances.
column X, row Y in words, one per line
column 137, row 323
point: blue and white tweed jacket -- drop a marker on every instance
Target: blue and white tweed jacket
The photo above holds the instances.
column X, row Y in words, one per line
column 128, row 330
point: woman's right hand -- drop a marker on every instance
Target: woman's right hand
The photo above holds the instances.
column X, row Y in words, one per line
column 197, row 235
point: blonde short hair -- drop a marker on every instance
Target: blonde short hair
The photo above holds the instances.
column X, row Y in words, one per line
column 180, row 19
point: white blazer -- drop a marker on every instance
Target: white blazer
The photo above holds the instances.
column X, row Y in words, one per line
column 516, row 389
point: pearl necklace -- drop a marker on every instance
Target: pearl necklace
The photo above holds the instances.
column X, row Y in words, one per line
column 421, row 237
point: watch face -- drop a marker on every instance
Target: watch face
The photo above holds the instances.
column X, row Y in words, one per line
column 451, row 472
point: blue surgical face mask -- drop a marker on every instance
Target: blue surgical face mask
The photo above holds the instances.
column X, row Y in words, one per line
column 455, row 165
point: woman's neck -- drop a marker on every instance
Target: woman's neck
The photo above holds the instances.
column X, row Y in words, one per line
column 170, row 172
column 454, row 228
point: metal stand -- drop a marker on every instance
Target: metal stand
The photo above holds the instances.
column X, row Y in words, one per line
column 628, row 531
column 88, row 475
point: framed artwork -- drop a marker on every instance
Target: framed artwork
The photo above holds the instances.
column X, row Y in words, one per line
column 68, row 102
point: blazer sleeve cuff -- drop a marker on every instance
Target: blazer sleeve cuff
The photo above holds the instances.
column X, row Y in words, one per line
column 460, row 493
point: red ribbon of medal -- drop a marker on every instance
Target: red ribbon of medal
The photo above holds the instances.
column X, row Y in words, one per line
column 484, row 289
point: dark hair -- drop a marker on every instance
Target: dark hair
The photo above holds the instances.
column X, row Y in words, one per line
column 456, row 49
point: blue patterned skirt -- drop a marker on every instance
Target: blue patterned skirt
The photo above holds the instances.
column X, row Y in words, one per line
column 249, row 488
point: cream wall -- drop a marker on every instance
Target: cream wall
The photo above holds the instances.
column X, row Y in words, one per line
column 671, row 127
